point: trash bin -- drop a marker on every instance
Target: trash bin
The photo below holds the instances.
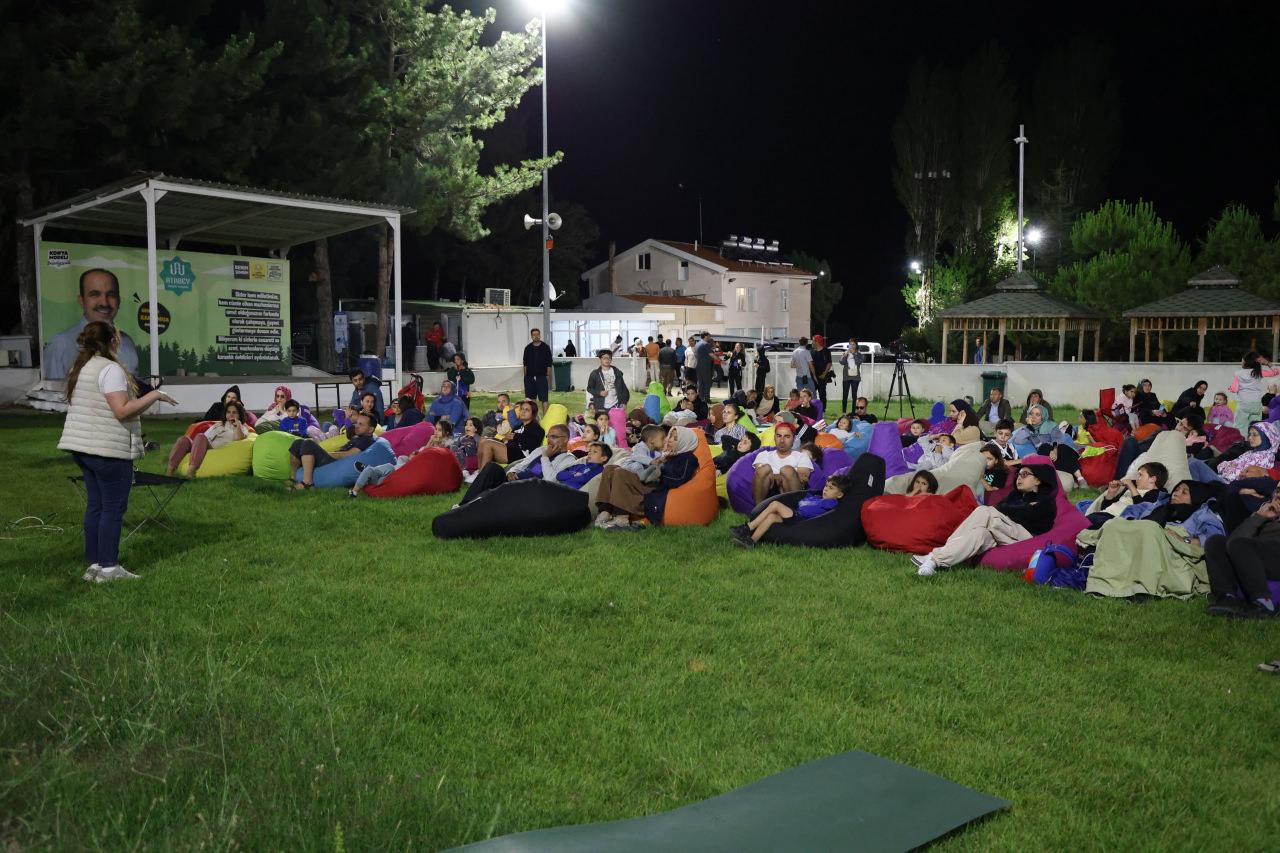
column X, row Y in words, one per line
column 564, row 375
column 992, row 379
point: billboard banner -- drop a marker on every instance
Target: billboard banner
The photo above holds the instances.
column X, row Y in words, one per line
column 223, row 315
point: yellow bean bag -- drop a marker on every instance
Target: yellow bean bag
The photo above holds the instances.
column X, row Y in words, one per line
column 716, row 449
column 556, row 414
column 331, row 444
column 233, row 458
column 271, row 455
column 766, row 437
column 750, row 424
column 721, row 489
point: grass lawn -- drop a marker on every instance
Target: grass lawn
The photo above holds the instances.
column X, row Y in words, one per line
column 303, row 671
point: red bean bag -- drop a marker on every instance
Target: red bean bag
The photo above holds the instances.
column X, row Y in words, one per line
column 433, row 471
column 1224, row 437
column 1066, row 527
column 917, row 524
column 1100, row 469
column 696, row 502
column 197, row 428
column 405, row 440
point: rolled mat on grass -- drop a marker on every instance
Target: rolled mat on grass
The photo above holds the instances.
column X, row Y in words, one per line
column 522, row 508
column 433, row 471
column 854, row 800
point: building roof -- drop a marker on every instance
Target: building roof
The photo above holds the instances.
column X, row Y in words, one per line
column 1020, row 295
column 211, row 212
column 1213, row 293
column 655, row 299
column 708, row 258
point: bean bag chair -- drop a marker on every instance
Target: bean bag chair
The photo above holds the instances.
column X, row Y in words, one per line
column 556, row 414
column 766, row 436
column 1106, row 400
column 197, row 428
column 915, row 524
column 1145, row 431
column 664, row 402
column 945, row 425
column 1099, row 469
column 912, row 453
column 434, row 471
column 1224, row 437
column 653, row 407
column 886, row 443
column 522, row 508
column 341, row 473
column 233, row 458
column 840, row 528
column 821, row 409
column 695, row 502
column 1024, row 449
column 617, row 420
column 271, row 455
column 904, row 424
column 833, row 462
column 1170, row 450
column 749, row 424
column 1066, row 527
column 1103, row 435
column 966, row 467
column 737, row 483
column 405, row 440
column 826, row 440
column 937, row 414
column 859, row 439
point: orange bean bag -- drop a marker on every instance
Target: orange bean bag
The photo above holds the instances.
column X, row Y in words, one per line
column 695, row 502
column 826, row 439
column 197, row 428
column 433, row 471
column 917, row 524
column 1145, row 431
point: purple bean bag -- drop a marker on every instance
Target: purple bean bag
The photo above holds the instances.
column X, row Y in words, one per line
column 834, row 461
column 938, row 414
column 911, row 455
column 887, row 444
column 405, row 440
column 944, row 425
column 737, row 483
column 1066, row 527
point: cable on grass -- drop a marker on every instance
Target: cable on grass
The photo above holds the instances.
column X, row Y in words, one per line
column 27, row 525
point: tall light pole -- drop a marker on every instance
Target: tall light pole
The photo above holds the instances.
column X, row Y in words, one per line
column 546, row 196
column 1022, row 163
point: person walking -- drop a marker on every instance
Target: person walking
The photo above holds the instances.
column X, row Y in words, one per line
column 704, row 366
column 103, row 433
column 851, row 368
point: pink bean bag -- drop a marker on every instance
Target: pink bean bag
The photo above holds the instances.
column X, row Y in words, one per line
column 886, row 442
column 917, row 524
column 1066, row 527
column 405, row 440
column 618, row 420
column 433, row 471
column 904, row 424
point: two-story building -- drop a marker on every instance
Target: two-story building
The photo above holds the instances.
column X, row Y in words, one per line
column 723, row 290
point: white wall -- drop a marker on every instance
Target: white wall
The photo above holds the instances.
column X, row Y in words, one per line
column 15, row 382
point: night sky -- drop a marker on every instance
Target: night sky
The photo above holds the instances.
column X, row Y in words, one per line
column 780, row 115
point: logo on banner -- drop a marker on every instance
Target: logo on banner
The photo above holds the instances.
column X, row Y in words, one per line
column 275, row 272
column 144, row 318
column 240, row 269
column 177, row 275
column 59, row 258
column 257, row 269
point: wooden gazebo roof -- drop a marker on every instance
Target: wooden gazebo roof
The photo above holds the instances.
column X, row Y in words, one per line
column 1212, row 302
column 1020, row 304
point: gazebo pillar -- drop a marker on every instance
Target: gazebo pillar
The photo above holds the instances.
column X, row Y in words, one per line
column 1275, row 336
column 1201, row 327
column 946, row 327
column 1062, row 338
column 1080, row 344
column 1160, row 346
column 1097, row 342
column 964, row 346
column 1146, row 345
column 1002, row 327
column 1133, row 338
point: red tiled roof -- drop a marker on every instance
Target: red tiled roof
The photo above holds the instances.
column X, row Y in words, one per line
column 714, row 257
column 668, row 300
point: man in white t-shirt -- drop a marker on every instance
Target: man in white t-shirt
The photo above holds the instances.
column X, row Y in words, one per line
column 802, row 364
column 781, row 469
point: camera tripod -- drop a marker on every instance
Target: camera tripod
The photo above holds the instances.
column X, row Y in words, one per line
column 903, row 390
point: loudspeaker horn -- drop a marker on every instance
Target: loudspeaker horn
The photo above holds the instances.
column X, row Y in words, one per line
column 554, row 221
column 529, row 222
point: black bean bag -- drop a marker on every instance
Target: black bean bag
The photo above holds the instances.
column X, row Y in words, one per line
column 522, row 508
column 840, row 528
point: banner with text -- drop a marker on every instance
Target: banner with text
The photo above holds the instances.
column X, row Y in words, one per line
column 219, row 314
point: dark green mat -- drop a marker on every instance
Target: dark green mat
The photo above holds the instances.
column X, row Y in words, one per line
column 852, row 801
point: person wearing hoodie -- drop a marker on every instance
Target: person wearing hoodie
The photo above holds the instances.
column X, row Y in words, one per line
column 448, row 405
column 215, row 412
column 1029, row 510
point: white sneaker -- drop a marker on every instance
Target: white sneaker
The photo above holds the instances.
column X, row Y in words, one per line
column 469, row 477
column 926, row 570
column 115, row 573
column 91, row 573
column 602, row 520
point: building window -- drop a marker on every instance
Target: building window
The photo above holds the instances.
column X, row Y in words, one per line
column 742, row 299
column 644, row 261
column 683, row 274
column 783, row 296
column 751, row 299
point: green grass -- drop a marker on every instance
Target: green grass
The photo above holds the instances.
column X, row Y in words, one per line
column 301, row 671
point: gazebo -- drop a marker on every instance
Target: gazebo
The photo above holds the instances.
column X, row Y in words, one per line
column 1212, row 302
column 1020, row 304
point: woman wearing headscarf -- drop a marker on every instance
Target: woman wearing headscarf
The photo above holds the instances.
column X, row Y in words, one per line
column 1035, row 399
column 448, row 405
column 623, row 498
column 1146, row 405
column 275, row 413
column 1192, row 398
column 1263, row 441
column 1029, row 510
column 1135, row 556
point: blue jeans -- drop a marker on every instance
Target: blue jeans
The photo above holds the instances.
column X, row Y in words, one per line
column 804, row 380
column 107, row 483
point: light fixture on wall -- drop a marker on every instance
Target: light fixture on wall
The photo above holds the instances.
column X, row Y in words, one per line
column 732, row 280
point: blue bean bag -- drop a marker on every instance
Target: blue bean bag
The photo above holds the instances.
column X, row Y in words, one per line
column 653, row 407
column 887, row 444
column 938, row 414
column 859, row 438
column 522, row 508
column 1025, row 450
column 342, row 474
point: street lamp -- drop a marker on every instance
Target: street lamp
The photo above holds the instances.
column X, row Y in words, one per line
column 915, row 267
column 545, row 6
column 1034, row 236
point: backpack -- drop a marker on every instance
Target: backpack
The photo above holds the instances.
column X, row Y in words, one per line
column 1057, row 565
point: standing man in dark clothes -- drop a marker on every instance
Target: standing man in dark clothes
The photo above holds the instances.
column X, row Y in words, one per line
column 537, row 369
column 822, row 368
column 703, row 369
column 668, row 364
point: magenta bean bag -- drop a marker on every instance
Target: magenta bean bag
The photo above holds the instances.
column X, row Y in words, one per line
column 834, row 461
column 944, row 425
column 887, row 444
column 1066, row 527
column 904, row 424
column 405, row 440
column 618, row 420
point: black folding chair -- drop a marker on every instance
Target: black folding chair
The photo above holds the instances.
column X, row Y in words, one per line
column 159, row 488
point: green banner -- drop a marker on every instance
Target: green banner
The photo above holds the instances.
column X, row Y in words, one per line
column 220, row 315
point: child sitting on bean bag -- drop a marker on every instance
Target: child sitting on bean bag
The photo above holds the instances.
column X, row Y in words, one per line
column 734, row 451
column 935, row 451
column 777, row 512
column 577, row 476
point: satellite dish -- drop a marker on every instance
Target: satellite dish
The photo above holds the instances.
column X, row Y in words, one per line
column 529, row 222
column 554, row 221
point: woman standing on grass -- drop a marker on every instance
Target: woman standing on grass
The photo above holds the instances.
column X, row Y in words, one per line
column 103, row 432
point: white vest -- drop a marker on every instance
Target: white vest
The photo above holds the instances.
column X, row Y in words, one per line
column 91, row 427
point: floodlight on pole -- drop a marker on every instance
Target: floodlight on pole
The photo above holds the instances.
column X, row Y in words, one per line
column 1034, row 236
column 916, row 267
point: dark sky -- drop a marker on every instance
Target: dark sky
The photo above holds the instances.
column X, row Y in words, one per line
column 780, row 115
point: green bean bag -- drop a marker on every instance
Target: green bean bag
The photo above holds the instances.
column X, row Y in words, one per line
column 271, row 455
column 233, row 458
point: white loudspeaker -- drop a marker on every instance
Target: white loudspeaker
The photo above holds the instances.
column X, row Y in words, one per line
column 529, row 221
column 554, row 221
